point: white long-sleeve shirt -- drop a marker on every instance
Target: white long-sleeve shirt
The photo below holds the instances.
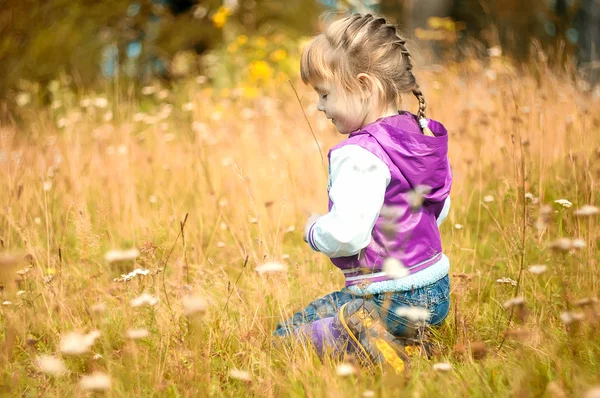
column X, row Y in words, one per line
column 358, row 182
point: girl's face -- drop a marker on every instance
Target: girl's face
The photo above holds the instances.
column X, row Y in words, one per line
column 346, row 111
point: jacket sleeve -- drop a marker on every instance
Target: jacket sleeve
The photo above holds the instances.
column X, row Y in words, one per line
column 358, row 183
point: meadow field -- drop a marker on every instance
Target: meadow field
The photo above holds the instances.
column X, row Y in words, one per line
column 197, row 188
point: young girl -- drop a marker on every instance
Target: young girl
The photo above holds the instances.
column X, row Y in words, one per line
column 389, row 183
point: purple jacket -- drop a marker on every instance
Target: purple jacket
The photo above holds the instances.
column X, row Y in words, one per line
column 413, row 159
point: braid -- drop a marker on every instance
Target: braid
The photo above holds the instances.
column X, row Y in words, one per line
column 401, row 43
column 422, row 104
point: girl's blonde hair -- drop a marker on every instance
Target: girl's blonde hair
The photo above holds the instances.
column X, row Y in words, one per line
column 362, row 44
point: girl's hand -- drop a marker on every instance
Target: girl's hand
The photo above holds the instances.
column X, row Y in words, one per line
column 311, row 220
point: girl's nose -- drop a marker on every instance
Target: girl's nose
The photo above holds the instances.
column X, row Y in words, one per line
column 320, row 106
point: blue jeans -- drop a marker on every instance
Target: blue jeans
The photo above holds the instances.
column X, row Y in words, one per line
column 434, row 297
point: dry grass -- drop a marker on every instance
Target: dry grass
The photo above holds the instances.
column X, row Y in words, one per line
column 247, row 174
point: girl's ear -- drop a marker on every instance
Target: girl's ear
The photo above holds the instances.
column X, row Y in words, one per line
column 368, row 85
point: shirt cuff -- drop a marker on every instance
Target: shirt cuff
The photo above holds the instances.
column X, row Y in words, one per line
column 310, row 238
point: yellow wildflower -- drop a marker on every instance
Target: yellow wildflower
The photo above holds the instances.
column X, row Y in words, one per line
column 261, row 41
column 250, row 92
column 220, row 17
column 241, row 40
column 278, row 55
column 232, row 47
column 260, row 70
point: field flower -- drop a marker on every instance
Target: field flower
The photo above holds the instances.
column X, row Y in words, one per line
column 75, row 343
column 345, row 369
column 219, row 18
column 506, row 281
column 564, row 203
column 394, row 268
column 442, row 367
column 260, row 70
column 514, row 302
column 51, row 365
column 586, row 211
column 416, row 196
column 136, row 334
column 278, row 55
column 98, row 308
column 132, row 274
column 194, row 305
column 488, row 198
column 240, row 375
column 537, row 269
column 113, row 256
column 143, row 300
column 415, row 314
column 271, row 267
column 23, row 99
column 100, row 102
column 96, row 381
column 571, row 317
column 458, row 226
column 594, row 392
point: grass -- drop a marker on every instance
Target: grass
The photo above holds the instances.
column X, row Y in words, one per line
column 210, row 193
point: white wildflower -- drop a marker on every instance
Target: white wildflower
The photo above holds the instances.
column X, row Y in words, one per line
column 7, row 303
column 220, row 245
column 416, row 196
column 506, row 280
column 514, row 302
column 458, row 226
column 594, row 392
column 564, row 203
column 136, row 334
column 240, row 375
column 415, row 314
column 570, row 317
column 368, row 394
column 148, row 90
column 143, row 300
column 537, row 269
column 37, row 220
column 562, row 244
column 132, row 274
column 345, row 369
column 586, row 211
column 98, row 308
column 121, row 255
column 578, row 243
column 47, row 186
column 194, row 305
column 21, row 292
column 23, row 99
column 488, row 198
column 51, row 365
column 271, row 267
column 495, row 51
column 442, row 367
column 394, row 268
column 96, row 381
column 100, row 102
column 188, row 107
column 75, row 343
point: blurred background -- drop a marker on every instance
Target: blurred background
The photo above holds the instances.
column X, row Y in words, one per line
column 243, row 44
